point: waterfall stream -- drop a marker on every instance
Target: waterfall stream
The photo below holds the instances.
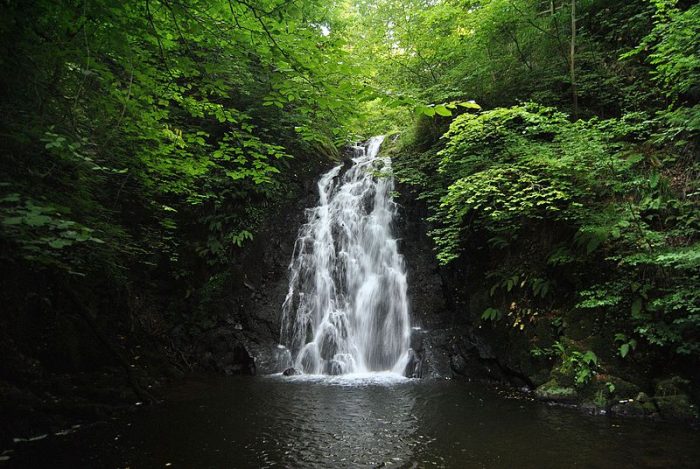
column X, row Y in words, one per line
column 346, row 310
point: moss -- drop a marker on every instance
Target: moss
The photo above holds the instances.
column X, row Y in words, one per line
column 676, row 407
column 649, row 407
column 672, row 386
column 563, row 377
column 553, row 391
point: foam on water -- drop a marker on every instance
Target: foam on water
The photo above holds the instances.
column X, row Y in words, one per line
column 371, row 378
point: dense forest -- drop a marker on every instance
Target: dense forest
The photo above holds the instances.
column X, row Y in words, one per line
column 547, row 149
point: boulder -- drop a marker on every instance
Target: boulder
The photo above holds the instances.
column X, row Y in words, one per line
column 671, row 387
column 632, row 408
column 414, row 367
column 458, row 364
column 676, row 407
column 553, row 392
column 291, row 371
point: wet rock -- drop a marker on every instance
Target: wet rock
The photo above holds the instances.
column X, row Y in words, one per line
column 239, row 362
column 671, row 387
column 309, row 359
column 539, row 377
column 676, row 407
column 484, row 350
column 631, row 408
column 458, row 364
column 414, row 367
column 417, row 339
column 329, row 343
column 623, row 389
column 593, row 408
column 334, row 368
column 436, row 354
column 552, row 391
column 291, row 372
column 225, row 351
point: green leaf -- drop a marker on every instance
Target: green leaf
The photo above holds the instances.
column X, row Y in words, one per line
column 59, row 243
column 491, row 314
column 469, row 105
column 36, row 219
column 590, row 358
column 441, row 110
column 624, row 349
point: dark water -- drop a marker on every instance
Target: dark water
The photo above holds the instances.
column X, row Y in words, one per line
column 273, row 421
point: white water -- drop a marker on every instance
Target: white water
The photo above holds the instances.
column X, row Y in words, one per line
column 346, row 311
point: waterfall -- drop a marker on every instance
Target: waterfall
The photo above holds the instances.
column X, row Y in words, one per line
column 346, row 310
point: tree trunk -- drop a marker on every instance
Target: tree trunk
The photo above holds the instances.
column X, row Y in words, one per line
column 572, row 62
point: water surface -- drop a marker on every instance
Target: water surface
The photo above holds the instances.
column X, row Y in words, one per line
column 362, row 421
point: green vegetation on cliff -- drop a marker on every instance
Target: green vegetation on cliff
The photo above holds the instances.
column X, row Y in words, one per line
column 568, row 200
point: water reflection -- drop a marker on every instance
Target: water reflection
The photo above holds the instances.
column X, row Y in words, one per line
column 368, row 422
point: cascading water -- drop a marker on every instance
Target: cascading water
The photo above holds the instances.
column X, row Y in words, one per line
column 346, row 310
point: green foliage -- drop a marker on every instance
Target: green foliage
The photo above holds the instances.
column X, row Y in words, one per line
column 152, row 123
column 581, row 366
column 626, row 345
column 582, row 209
column 673, row 51
column 46, row 234
column 607, row 198
column 491, row 314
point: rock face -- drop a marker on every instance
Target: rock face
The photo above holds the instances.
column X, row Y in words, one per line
column 446, row 343
column 226, row 351
column 246, row 330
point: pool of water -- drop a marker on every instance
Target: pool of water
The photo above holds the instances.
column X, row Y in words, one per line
column 361, row 421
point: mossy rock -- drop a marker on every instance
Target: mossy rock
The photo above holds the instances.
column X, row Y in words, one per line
column 672, row 387
column 677, row 407
column 596, row 393
column 593, row 408
column 623, row 389
column 553, row 391
column 633, row 408
column 563, row 377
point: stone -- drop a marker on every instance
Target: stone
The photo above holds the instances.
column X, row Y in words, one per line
column 671, row 387
column 629, row 408
column 417, row 339
column 291, row 371
column 676, row 407
column 329, row 343
column 334, row 367
column 553, row 392
column 414, row 367
column 458, row 364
